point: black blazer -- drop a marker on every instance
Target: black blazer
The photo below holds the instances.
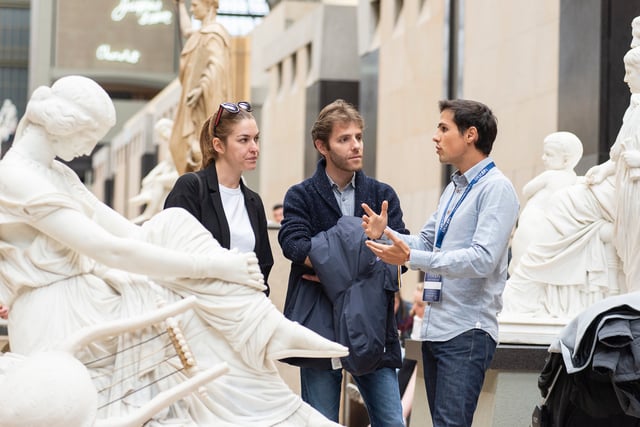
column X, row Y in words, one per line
column 187, row 194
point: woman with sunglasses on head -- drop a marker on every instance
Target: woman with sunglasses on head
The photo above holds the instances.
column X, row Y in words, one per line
column 216, row 195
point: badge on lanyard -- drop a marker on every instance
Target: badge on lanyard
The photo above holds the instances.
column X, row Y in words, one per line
column 432, row 291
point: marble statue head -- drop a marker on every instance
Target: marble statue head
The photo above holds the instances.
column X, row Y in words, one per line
column 632, row 69
column 562, row 150
column 75, row 112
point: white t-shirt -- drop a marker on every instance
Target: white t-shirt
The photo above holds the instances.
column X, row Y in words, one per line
column 242, row 237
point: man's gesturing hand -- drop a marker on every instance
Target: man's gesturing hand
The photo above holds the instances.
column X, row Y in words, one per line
column 397, row 253
column 372, row 223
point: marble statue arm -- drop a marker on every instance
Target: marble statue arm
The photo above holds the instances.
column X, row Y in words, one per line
column 112, row 221
column 532, row 187
column 103, row 215
column 141, row 198
column 631, row 159
column 599, row 173
column 193, row 96
column 184, row 19
column 92, row 240
column 153, row 174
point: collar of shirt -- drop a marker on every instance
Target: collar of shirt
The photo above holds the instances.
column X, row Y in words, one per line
column 462, row 180
column 335, row 187
column 346, row 196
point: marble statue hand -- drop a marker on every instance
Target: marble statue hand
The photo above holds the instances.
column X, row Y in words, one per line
column 372, row 223
column 598, row 173
column 193, row 96
column 631, row 158
column 236, row 267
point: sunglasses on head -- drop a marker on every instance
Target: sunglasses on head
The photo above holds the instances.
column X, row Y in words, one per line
column 231, row 108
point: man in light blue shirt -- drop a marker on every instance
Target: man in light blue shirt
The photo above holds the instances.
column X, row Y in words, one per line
column 463, row 251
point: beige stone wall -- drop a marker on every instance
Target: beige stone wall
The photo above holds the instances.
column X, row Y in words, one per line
column 410, row 84
column 283, row 128
column 511, row 63
column 297, row 44
column 241, row 61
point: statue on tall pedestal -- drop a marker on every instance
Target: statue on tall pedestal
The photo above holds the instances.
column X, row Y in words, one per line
column 205, row 76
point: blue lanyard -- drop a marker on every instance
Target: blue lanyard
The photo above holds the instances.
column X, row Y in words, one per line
column 446, row 220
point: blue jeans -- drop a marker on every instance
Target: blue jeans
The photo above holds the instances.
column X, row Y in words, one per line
column 453, row 375
column 379, row 390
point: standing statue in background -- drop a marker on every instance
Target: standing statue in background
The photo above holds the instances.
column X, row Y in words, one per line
column 159, row 181
column 205, row 76
column 561, row 153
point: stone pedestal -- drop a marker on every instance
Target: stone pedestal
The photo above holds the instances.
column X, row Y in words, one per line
column 538, row 331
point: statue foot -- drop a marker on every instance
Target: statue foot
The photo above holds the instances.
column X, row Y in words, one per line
column 291, row 339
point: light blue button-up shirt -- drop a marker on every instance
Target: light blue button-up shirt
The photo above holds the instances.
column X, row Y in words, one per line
column 473, row 257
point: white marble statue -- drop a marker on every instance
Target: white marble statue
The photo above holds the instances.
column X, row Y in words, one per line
column 8, row 120
column 157, row 184
column 589, row 246
column 561, row 153
column 69, row 261
column 624, row 165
